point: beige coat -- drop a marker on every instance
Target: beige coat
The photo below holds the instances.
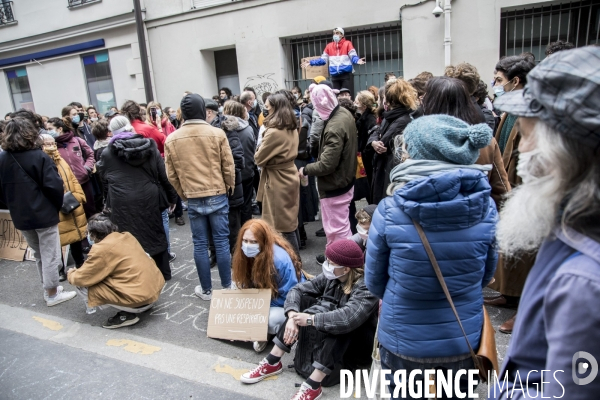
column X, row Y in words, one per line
column 198, row 160
column 511, row 273
column 72, row 227
column 118, row 271
column 279, row 187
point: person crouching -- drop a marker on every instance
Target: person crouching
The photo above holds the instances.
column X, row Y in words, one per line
column 117, row 273
column 339, row 307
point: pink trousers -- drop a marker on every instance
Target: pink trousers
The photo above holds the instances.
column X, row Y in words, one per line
column 334, row 213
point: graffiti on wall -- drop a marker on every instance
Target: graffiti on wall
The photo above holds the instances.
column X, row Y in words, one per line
column 262, row 84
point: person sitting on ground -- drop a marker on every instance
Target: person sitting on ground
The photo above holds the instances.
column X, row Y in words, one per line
column 118, row 272
column 364, row 218
column 350, row 323
column 263, row 259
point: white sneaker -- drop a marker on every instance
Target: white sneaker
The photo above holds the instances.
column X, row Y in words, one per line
column 90, row 310
column 59, row 289
column 60, row 298
column 259, row 346
column 204, row 295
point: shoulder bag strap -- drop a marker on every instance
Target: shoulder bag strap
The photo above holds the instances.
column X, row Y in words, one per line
column 440, row 277
column 15, row 160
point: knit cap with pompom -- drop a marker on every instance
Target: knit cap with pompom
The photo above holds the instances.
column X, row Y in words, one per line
column 345, row 253
column 445, row 138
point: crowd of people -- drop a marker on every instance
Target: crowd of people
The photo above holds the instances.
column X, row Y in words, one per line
column 505, row 189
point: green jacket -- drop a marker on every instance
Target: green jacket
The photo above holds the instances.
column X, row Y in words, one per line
column 336, row 163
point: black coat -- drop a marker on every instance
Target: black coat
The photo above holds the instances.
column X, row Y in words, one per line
column 230, row 125
column 364, row 125
column 129, row 169
column 32, row 205
column 393, row 124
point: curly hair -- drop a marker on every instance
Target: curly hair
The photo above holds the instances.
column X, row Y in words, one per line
column 400, row 93
column 559, row 45
column 30, row 116
column 348, row 105
column 515, row 67
column 466, row 73
column 481, row 92
column 260, row 272
column 20, row 135
column 425, row 75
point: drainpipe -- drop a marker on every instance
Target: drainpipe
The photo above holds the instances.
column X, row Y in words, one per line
column 141, row 35
column 447, row 36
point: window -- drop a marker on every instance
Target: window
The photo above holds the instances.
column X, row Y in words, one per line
column 532, row 29
column 99, row 81
column 227, row 70
column 381, row 46
column 6, row 13
column 19, row 89
column 77, row 3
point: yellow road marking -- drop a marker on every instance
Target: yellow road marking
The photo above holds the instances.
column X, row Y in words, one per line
column 48, row 323
column 236, row 373
column 133, row 347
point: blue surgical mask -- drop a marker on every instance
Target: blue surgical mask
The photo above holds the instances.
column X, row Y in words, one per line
column 336, row 38
column 254, row 103
column 158, row 113
column 89, row 238
column 251, row 250
column 76, row 119
column 54, row 134
column 173, row 117
column 499, row 90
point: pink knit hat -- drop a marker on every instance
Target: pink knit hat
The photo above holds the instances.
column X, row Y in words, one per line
column 346, row 253
column 324, row 99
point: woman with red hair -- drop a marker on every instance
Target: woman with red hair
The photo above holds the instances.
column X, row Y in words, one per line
column 263, row 259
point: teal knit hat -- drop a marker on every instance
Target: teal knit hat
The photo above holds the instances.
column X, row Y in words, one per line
column 445, row 138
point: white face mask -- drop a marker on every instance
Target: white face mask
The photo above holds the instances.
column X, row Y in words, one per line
column 523, row 169
column 328, row 271
column 251, row 250
column 336, row 38
column 364, row 234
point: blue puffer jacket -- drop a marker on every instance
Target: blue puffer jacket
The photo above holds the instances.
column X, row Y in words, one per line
column 459, row 219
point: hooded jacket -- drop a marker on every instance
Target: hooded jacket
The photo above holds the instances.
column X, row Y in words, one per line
column 150, row 132
column 198, row 157
column 456, row 213
column 246, row 135
column 230, row 125
column 134, row 173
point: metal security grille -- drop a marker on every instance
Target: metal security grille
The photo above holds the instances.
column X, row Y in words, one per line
column 531, row 29
column 77, row 3
column 381, row 46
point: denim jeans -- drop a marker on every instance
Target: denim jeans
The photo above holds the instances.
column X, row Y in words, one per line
column 204, row 213
column 165, row 218
column 394, row 363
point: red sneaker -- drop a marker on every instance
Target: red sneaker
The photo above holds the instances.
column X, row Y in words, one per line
column 307, row 393
column 264, row 370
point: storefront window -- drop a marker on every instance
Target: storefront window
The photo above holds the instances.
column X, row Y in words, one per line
column 19, row 89
column 99, row 81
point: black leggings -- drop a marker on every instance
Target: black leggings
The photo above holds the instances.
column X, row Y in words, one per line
column 345, row 81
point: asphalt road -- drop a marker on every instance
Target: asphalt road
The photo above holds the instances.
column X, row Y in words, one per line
column 179, row 319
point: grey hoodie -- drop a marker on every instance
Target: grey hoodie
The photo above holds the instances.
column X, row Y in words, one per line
column 246, row 135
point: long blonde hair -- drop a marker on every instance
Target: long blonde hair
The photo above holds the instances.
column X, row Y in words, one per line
column 353, row 276
column 367, row 100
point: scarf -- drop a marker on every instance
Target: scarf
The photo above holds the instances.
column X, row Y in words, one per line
column 121, row 135
column 411, row 170
column 98, row 144
column 509, row 122
column 64, row 138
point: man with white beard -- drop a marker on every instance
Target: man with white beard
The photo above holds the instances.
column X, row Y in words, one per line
column 556, row 210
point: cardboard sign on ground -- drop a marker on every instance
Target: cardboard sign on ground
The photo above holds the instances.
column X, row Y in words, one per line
column 12, row 243
column 239, row 314
column 311, row 72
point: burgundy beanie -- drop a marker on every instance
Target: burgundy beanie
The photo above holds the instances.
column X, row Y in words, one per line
column 346, row 253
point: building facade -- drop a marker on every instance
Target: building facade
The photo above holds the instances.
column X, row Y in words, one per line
column 201, row 45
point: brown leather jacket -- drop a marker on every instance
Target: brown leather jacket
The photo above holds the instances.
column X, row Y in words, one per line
column 497, row 176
